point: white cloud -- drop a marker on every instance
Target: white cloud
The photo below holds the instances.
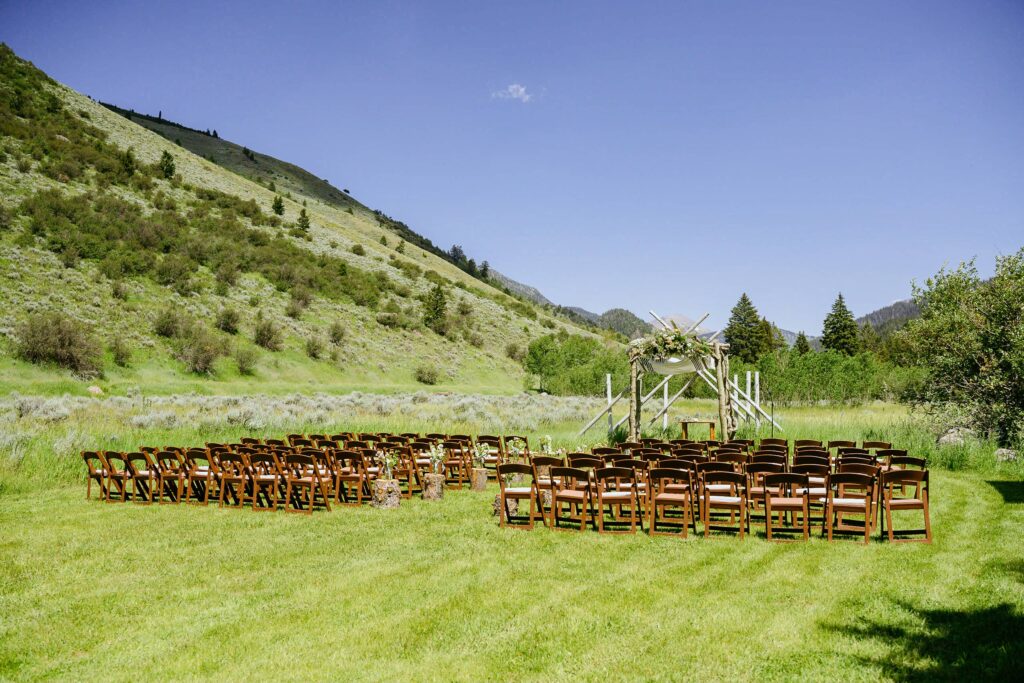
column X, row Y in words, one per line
column 515, row 91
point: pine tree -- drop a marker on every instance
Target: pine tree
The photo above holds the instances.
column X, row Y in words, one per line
column 278, row 205
column 303, row 223
column 802, row 346
column 485, row 270
column 869, row 338
column 434, row 308
column 167, row 165
column 744, row 332
column 840, row 332
column 401, row 247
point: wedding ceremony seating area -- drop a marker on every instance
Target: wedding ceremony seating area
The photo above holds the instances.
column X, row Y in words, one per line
column 677, row 487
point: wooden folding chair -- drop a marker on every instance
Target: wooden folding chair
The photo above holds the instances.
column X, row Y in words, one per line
column 118, row 475
column 849, row 493
column 734, row 501
column 202, row 476
column 171, row 477
column 670, row 489
column 143, row 476
column 615, row 491
column 233, row 476
column 507, row 492
column 265, row 476
column 571, row 487
column 97, row 471
column 456, row 471
column 904, row 479
column 302, row 475
column 543, row 483
column 786, row 493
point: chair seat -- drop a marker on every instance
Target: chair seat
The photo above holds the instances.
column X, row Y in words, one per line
column 760, row 491
column 518, row 490
column 785, row 502
column 815, row 491
column 816, row 480
column 719, row 488
column 906, row 503
column 144, row 473
column 859, row 503
column 572, row 494
column 671, row 498
column 547, row 482
column 725, row 500
column 266, row 477
column 616, row 495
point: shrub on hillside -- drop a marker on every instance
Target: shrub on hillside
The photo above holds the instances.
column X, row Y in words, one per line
column 53, row 337
column 227, row 320
column 294, row 309
column 199, row 349
column 358, row 250
column 121, row 351
column 427, row 374
column 336, row 333
column 169, row 323
column 515, row 352
column 245, row 359
column 267, row 334
column 314, row 348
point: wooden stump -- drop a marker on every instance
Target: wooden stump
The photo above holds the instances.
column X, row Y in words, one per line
column 433, row 486
column 386, row 494
column 478, row 482
column 513, row 506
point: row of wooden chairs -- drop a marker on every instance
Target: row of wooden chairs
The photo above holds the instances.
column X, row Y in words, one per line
column 673, row 493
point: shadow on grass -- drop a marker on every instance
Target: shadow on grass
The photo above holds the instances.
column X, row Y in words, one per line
column 972, row 645
column 1011, row 491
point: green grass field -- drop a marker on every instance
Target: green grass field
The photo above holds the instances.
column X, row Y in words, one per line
column 437, row 591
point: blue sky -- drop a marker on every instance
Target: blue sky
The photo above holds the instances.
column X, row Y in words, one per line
column 643, row 155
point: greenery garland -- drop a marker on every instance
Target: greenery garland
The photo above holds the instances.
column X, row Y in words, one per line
column 672, row 343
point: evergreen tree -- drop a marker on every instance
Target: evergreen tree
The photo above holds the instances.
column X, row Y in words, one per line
column 303, row 223
column 771, row 337
column 401, row 247
column 384, row 240
column 869, row 338
column 840, row 333
column 458, row 255
column 802, row 346
column 485, row 270
column 434, row 309
column 744, row 332
column 278, row 205
column 167, row 165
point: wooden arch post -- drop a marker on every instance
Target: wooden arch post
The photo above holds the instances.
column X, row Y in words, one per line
column 634, row 395
column 726, row 415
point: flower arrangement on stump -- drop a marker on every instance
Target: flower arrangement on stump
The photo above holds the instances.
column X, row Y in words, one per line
column 478, row 477
column 433, row 481
column 386, row 493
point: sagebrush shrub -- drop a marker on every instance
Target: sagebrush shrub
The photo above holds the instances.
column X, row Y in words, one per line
column 227, row 320
column 200, row 348
column 337, row 333
column 314, row 348
column 267, row 334
column 427, row 374
column 121, row 351
column 245, row 359
column 53, row 337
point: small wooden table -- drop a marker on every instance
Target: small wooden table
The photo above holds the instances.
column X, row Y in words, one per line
column 686, row 427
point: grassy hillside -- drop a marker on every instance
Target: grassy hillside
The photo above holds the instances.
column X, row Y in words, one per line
column 107, row 238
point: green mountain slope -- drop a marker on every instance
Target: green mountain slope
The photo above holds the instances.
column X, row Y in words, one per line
column 92, row 227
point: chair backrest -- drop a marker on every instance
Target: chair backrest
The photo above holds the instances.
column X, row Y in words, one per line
column 857, row 480
column 316, row 437
column 659, row 477
column 732, row 447
column 786, row 482
column 584, row 461
column 169, row 462
column 812, row 469
column 196, row 458
column 908, row 462
column 139, row 463
column 455, row 448
column 736, row 459
column 264, row 464
column 772, row 458
column 841, row 443
column 704, row 467
column 94, row 462
column 355, row 444
column 606, row 450
column 613, row 477
column 300, row 465
column 690, row 449
column 116, row 462
column 887, row 454
column 569, row 476
column 232, row 465
column 410, row 435
column 798, row 443
column 736, row 479
column 811, row 460
column 250, row 440
column 852, row 450
column 771, row 441
column 506, row 469
column 692, row 458
column 894, row 478
column 351, row 460
column 275, row 442
column 870, row 469
column 517, row 441
column 546, row 461
column 490, row 441
column 875, row 445
column 812, row 450
column 855, row 459
column 757, row 470
column 772, row 448
column 292, row 437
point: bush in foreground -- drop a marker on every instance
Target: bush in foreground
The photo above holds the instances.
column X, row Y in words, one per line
column 53, row 337
column 426, row 374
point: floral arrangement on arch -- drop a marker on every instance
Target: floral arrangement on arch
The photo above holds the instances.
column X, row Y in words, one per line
column 670, row 343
